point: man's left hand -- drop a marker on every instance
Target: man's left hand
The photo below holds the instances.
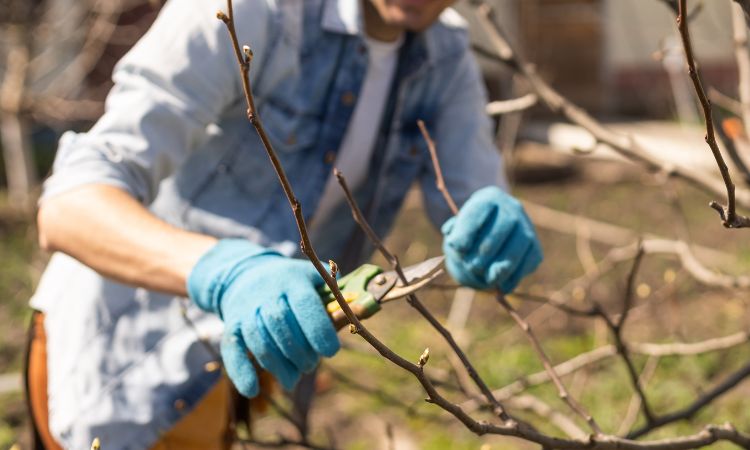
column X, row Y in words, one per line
column 491, row 243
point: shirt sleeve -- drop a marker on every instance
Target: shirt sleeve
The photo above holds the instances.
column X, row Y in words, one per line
column 174, row 82
column 462, row 132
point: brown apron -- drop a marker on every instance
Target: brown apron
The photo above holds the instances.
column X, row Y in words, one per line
column 206, row 427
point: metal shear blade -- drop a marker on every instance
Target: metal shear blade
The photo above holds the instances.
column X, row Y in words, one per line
column 387, row 286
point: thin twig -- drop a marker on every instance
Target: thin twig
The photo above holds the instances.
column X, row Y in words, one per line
column 500, row 107
column 377, row 392
column 610, row 234
column 728, row 213
column 689, row 411
column 629, row 289
column 606, row 351
column 691, row 348
column 722, row 100
column 616, row 329
column 362, row 222
column 439, row 181
column 562, row 391
column 543, row 410
column 742, row 56
column 583, row 248
column 500, row 297
column 631, row 415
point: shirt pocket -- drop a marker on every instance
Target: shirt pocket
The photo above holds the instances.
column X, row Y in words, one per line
column 290, row 129
column 412, row 150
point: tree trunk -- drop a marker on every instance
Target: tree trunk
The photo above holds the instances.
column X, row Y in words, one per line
column 14, row 133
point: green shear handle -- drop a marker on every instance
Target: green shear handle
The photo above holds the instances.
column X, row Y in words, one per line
column 353, row 287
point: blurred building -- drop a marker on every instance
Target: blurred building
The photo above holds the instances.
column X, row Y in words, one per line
column 612, row 56
column 639, row 40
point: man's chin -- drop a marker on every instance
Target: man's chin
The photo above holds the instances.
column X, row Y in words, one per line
column 410, row 21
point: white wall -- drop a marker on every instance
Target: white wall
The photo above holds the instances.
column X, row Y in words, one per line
column 634, row 29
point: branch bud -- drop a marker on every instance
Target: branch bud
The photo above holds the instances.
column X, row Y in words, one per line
column 334, row 267
column 248, row 53
column 424, row 358
column 221, row 16
column 96, row 444
column 352, row 328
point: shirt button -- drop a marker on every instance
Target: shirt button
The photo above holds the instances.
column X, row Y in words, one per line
column 179, row 404
column 413, row 151
column 329, row 157
column 348, row 98
column 212, row 366
column 291, row 139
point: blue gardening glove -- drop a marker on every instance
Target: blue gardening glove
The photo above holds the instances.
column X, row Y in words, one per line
column 270, row 308
column 491, row 242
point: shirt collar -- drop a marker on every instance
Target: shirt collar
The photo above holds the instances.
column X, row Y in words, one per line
column 346, row 17
column 343, row 16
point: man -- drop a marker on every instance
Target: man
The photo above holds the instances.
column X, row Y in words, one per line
column 170, row 229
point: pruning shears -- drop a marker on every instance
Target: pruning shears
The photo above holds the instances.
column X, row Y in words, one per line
column 366, row 288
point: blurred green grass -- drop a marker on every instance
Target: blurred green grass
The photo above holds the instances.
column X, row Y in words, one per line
column 17, row 279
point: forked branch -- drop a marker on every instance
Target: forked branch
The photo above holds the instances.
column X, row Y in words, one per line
column 728, row 213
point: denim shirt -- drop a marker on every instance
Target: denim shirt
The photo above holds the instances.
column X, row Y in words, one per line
column 126, row 363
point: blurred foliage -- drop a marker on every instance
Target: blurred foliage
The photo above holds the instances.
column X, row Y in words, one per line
column 17, row 279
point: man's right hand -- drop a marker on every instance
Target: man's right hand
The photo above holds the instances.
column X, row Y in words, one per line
column 270, row 307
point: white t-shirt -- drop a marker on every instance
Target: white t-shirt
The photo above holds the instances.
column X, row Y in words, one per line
column 358, row 143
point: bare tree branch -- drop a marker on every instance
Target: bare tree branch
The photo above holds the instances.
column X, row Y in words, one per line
column 631, row 415
column 439, row 180
column 500, row 297
column 626, row 145
column 610, row 234
column 728, row 213
column 500, row 107
column 616, row 329
column 741, row 55
column 724, row 101
column 359, row 218
column 562, row 391
column 540, row 408
column 689, row 411
column 601, row 353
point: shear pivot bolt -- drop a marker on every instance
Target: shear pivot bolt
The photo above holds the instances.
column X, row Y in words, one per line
column 380, row 279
